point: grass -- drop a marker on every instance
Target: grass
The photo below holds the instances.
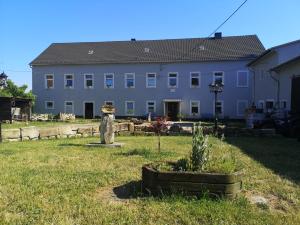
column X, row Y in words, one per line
column 64, row 182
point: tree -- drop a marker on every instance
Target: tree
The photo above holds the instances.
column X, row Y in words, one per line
column 159, row 127
column 12, row 90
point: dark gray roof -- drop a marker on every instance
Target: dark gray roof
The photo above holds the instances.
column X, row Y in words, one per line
column 152, row 51
column 289, row 62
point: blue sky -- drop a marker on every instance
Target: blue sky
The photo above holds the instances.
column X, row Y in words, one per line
column 28, row 27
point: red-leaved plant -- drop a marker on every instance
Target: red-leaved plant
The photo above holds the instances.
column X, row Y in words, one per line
column 159, row 127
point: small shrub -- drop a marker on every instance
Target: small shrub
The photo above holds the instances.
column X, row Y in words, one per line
column 159, row 127
column 200, row 150
column 182, row 165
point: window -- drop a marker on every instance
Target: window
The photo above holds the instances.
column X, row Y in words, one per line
column 49, row 105
column 283, row 104
column 69, row 107
column 49, row 81
column 129, row 80
column 195, row 79
column 269, row 104
column 220, row 107
column 173, row 80
column 109, row 80
column 69, row 81
column 195, row 108
column 109, row 103
column 151, row 80
column 261, row 104
column 242, row 105
column 218, row 77
column 242, row 79
column 151, row 107
column 88, row 81
column 129, row 108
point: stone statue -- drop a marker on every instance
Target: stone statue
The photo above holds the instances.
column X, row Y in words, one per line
column 107, row 134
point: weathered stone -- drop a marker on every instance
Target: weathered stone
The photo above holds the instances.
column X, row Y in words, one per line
column 11, row 134
column 259, row 200
column 66, row 130
column 49, row 132
column 107, row 134
column 29, row 133
column 131, row 127
column 13, row 140
column 87, row 131
column 96, row 129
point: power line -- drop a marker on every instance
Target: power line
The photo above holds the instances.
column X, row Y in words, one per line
column 228, row 18
column 215, row 30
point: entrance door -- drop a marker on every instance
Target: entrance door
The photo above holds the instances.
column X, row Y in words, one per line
column 88, row 110
column 172, row 110
column 295, row 101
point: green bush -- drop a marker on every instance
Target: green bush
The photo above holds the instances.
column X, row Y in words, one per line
column 200, row 150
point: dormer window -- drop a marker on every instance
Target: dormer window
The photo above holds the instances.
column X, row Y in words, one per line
column 91, row 52
column 147, row 50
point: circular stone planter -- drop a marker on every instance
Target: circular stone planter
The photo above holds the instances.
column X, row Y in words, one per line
column 190, row 183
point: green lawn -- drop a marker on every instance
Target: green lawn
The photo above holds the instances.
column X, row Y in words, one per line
column 64, row 182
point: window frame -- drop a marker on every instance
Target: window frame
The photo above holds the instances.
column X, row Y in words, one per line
column 214, row 76
column 126, row 75
column 126, row 109
column 113, row 81
column 177, row 80
column 147, row 83
column 85, row 79
column 199, row 79
column 198, row 104
column 65, row 106
column 237, row 106
column 45, row 77
column 222, row 103
column 263, row 103
column 46, row 106
column 270, row 100
column 147, row 106
column 237, row 79
column 65, row 81
column 280, row 103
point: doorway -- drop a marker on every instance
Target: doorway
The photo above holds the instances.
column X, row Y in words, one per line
column 172, row 110
column 88, row 110
column 295, row 96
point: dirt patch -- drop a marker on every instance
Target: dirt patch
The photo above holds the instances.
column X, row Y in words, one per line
column 268, row 201
column 120, row 194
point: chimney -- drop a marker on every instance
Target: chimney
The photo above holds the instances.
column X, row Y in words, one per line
column 133, row 39
column 218, row 35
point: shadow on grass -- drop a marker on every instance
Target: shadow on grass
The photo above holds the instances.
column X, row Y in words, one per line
column 146, row 153
column 132, row 189
column 71, row 145
column 281, row 155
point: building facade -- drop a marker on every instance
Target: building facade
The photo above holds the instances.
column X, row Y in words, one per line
column 165, row 77
column 274, row 73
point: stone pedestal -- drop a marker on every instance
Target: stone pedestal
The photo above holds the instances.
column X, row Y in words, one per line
column 107, row 134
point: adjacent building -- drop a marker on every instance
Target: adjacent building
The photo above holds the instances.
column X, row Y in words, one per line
column 164, row 77
column 276, row 78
